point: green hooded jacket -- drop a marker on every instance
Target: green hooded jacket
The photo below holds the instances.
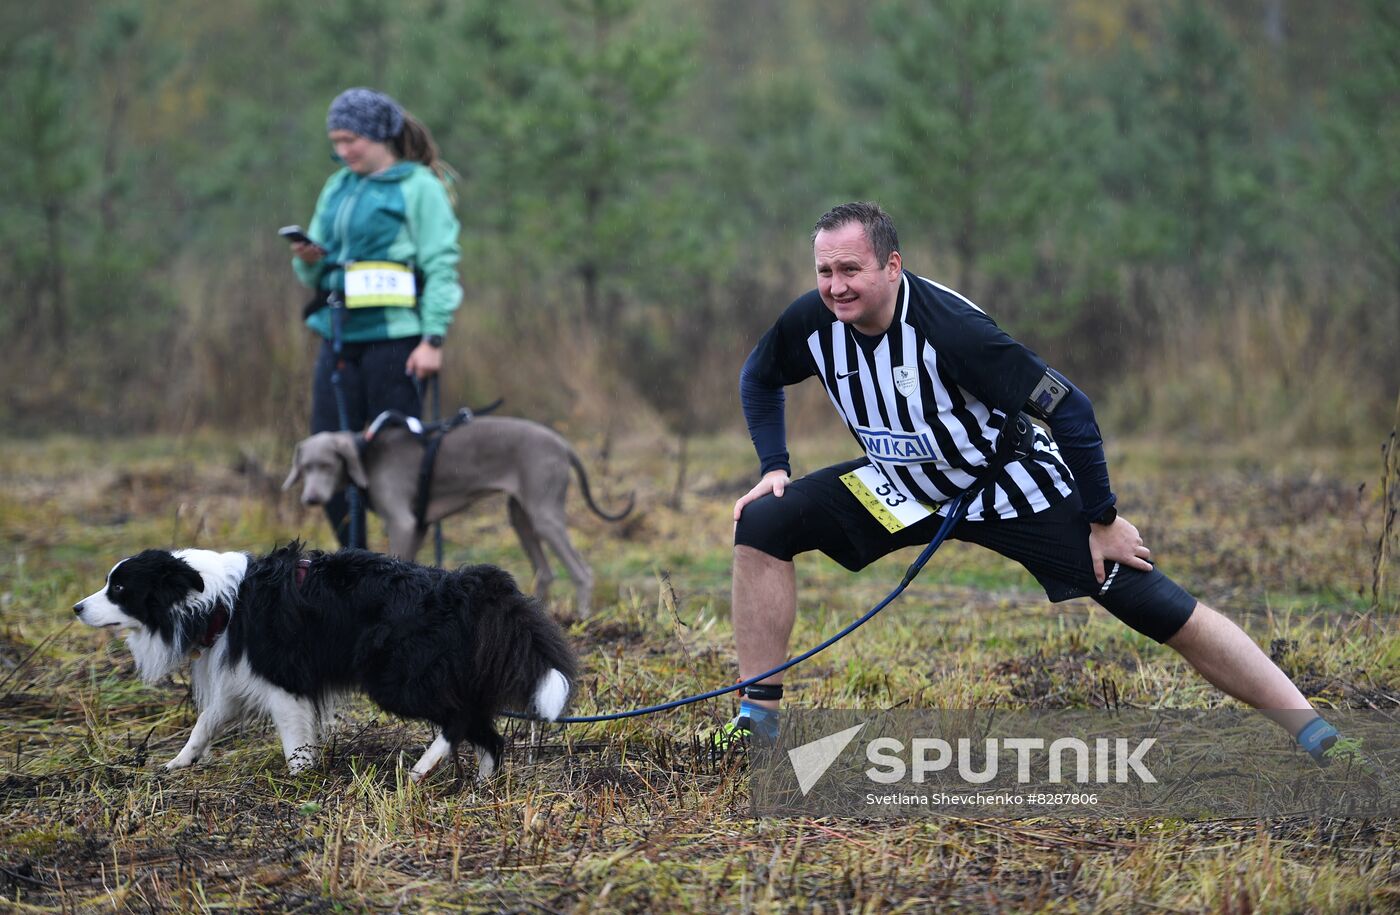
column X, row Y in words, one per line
column 401, row 214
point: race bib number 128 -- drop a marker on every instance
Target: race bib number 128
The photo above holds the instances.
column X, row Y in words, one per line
column 379, row 284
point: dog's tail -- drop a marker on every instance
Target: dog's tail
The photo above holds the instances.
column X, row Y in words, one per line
column 511, row 647
column 554, row 667
column 551, row 695
column 588, row 496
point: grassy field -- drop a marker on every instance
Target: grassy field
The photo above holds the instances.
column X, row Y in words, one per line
column 639, row 816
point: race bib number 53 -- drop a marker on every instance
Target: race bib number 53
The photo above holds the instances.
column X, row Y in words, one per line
column 888, row 505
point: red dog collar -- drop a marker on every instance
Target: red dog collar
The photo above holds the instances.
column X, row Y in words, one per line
column 218, row 622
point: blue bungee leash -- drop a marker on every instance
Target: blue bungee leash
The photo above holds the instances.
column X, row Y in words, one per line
column 955, row 513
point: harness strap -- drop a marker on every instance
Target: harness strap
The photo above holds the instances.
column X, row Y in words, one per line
column 425, row 467
column 1016, row 443
column 432, row 435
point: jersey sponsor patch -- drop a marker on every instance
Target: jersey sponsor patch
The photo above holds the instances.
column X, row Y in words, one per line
column 896, row 447
column 906, row 380
column 1047, row 395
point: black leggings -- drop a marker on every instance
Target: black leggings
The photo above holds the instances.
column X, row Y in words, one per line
column 374, row 380
column 818, row 512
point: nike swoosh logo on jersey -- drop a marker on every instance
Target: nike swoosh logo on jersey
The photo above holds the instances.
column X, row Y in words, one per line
column 842, row 376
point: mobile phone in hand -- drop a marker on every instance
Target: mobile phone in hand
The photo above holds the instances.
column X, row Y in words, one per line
column 295, row 233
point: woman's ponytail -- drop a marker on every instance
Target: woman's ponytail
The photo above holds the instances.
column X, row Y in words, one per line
column 416, row 144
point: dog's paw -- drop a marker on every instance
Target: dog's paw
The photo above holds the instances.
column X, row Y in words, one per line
column 180, row 762
column 299, row 764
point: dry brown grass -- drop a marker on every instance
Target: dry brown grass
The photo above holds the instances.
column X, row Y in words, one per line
column 639, row 815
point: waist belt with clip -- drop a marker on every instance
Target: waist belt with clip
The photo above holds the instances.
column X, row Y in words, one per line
column 372, row 284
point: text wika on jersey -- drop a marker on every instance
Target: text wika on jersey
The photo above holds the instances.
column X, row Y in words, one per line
column 897, row 447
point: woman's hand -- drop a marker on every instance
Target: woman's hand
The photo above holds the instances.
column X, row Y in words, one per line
column 307, row 253
column 424, row 362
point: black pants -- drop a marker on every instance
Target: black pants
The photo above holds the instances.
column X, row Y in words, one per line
column 818, row 512
column 373, row 380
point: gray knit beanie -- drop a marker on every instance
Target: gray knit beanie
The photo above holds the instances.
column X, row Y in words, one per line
column 365, row 112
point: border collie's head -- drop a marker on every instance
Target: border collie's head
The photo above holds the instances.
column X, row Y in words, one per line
column 142, row 592
column 161, row 601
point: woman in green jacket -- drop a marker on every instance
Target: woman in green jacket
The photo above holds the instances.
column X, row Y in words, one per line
column 384, row 237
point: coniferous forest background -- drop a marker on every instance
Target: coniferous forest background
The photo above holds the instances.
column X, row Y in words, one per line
column 1192, row 208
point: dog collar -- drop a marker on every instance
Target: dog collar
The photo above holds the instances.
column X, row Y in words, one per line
column 218, row 622
column 302, row 566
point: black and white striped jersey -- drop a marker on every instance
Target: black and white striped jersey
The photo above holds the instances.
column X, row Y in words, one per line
column 927, row 400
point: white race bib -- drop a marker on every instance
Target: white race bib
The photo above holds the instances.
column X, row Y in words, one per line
column 888, row 505
column 379, row 284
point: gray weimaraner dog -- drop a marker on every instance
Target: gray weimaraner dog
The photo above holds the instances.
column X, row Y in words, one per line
column 525, row 460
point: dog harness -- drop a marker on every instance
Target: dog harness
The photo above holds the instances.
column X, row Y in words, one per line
column 431, row 434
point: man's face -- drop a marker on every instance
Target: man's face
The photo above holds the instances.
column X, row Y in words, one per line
column 858, row 289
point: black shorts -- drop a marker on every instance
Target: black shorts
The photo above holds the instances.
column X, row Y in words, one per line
column 818, row 512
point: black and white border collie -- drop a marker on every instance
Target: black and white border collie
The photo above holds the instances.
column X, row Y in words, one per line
column 289, row 634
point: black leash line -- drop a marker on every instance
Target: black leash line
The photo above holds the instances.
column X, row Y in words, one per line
column 354, row 498
column 434, row 387
column 955, row 513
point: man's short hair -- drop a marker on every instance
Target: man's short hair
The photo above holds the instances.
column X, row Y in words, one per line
column 879, row 228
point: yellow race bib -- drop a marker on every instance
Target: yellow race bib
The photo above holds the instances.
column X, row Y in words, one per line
column 380, row 284
column 886, row 504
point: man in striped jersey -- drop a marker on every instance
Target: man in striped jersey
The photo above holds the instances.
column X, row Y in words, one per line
column 936, row 394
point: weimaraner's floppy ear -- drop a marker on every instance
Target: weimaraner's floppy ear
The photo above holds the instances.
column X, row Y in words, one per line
column 345, row 446
column 294, row 477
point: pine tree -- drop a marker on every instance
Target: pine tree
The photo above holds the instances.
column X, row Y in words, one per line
column 1355, row 174
column 48, row 170
column 960, row 87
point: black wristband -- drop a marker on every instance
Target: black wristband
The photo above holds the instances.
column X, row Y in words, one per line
column 764, row 692
column 1107, row 516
